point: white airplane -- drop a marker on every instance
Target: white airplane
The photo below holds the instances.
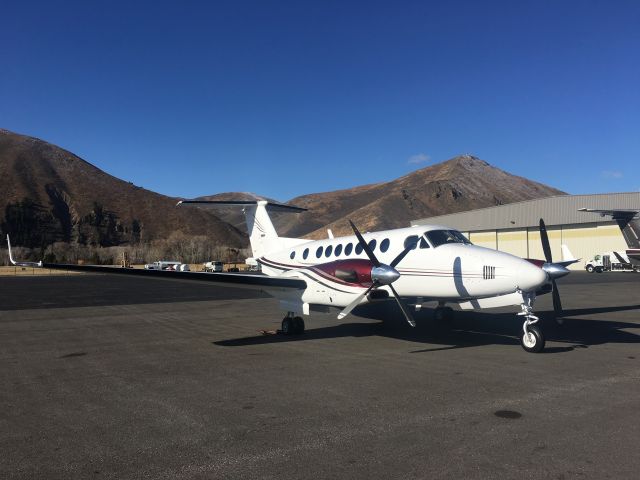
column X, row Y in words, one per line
column 413, row 265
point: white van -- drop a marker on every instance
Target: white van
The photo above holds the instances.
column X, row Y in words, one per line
column 213, row 266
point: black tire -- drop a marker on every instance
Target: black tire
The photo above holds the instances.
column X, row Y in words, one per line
column 443, row 315
column 590, row 268
column 599, row 270
column 298, row 325
column 535, row 342
column 288, row 326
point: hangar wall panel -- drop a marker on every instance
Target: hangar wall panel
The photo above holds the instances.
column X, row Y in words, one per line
column 535, row 243
column 483, row 239
column 585, row 242
column 513, row 242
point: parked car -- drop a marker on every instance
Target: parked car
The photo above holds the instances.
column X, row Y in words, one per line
column 164, row 265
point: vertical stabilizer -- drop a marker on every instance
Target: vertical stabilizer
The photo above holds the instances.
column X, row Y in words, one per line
column 262, row 234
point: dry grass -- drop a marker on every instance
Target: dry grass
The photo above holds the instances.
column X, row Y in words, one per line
column 31, row 271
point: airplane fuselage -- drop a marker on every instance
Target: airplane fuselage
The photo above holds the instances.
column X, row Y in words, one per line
column 453, row 271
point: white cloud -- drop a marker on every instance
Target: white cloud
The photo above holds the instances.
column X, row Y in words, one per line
column 612, row 174
column 419, row 158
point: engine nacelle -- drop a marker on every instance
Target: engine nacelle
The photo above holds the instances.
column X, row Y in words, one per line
column 355, row 272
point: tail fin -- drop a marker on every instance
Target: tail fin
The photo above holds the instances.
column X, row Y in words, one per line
column 567, row 257
column 566, row 253
column 262, row 233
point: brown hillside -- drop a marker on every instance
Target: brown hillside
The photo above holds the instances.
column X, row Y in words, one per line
column 462, row 183
column 73, row 200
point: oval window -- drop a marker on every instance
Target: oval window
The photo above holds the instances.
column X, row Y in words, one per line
column 327, row 252
column 358, row 249
column 338, row 250
column 305, row 254
column 319, row 252
column 372, row 245
column 384, row 245
column 293, row 255
column 348, row 249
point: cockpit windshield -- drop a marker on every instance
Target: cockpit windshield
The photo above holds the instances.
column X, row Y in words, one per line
column 440, row 237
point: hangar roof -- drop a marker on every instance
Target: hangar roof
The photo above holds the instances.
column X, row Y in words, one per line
column 556, row 210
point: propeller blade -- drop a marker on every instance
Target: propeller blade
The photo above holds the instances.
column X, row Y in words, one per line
column 403, row 254
column 557, row 304
column 365, row 246
column 346, row 310
column 403, row 307
column 544, row 237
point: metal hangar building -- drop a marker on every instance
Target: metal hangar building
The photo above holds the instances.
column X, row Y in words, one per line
column 514, row 228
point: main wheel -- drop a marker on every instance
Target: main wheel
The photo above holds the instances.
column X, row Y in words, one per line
column 443, row 314
column 533, row 341
column 288, row 326
column 298, row 325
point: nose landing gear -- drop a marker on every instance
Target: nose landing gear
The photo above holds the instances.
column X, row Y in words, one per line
column 532, row 339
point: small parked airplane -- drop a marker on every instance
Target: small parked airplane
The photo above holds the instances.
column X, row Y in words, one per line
column 412, row 265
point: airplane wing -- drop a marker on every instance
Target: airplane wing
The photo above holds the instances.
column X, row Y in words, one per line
column 236, row 280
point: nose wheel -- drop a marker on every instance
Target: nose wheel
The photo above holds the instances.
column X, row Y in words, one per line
column 532, row 339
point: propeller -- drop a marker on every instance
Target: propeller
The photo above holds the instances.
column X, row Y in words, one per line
column 381, row 275
column 553, row 271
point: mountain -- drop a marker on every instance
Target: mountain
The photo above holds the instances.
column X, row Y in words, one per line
column 48, row 194
column 459, row 184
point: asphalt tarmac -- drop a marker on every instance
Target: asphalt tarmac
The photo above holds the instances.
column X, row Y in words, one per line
column 112, row 377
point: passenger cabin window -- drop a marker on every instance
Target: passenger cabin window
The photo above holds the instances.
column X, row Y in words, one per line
column 338, row 250
column 305, row 254
column 347, row 249
column 327, row 252
column 293, row 255
column 358, row 249
column 319, row 252
column 372, row 245
column 384, row 245
column 411, row 241
column 440, row 237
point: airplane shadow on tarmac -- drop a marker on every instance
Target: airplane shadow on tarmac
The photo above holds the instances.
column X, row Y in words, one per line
column 469, row 329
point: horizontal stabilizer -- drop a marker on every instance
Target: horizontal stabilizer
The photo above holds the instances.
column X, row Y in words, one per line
column 615, row 214
column 272, row 206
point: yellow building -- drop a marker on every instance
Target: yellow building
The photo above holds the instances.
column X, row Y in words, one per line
column 514, row 228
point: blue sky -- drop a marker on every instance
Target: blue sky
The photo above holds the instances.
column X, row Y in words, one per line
column 286, row 98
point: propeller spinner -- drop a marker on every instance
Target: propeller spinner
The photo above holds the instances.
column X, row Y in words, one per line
column 381, row 275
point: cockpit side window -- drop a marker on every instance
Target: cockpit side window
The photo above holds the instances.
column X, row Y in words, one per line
column 440, row 237
column 411, row 241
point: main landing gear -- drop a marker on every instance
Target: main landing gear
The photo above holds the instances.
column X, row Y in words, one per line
column 532, row 339
column 443, row 314
column 292, row 325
